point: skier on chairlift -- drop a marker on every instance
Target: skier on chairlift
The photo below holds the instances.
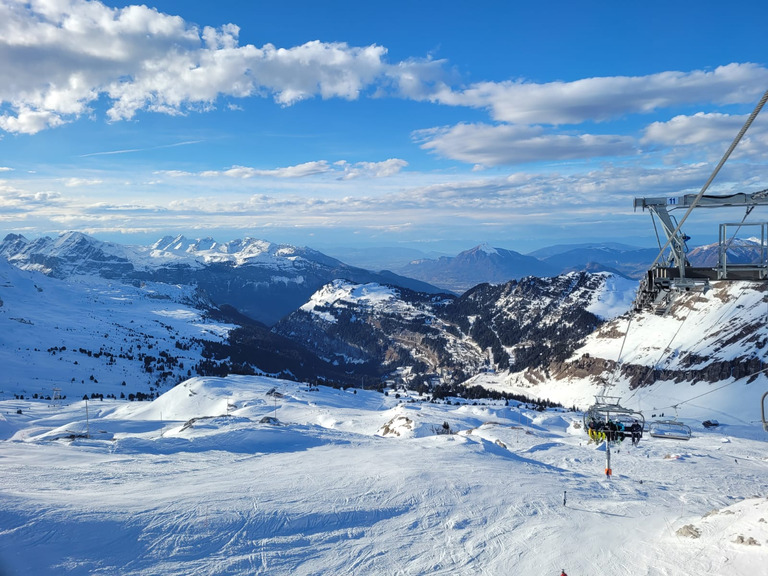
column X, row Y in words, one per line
column 637, row 432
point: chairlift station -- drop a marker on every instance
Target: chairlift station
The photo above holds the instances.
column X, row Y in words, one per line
column 666, row 278
column 673, row 272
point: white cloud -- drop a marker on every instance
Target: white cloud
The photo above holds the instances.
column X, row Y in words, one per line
column 700, row 128
column 372, row 169
column 27, row 121
column 16, row 203
column 298, row 171
column 58, row 58
column 77, row 182
column 507, row 144
column 706, row 136
column 342, row 168
column 600, row 99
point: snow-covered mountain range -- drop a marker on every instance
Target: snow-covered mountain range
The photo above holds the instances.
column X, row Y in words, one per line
column 555, row 338
column 262, row 280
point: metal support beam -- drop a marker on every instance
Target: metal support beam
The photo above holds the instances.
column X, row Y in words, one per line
column 675, row 239
column 765, row 422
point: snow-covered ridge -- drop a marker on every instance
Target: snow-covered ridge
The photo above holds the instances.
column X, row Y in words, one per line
column 74, row 252
column 240, row 252
column 339, row 291
column 368, row 298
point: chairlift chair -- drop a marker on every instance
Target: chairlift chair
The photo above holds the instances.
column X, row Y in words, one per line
column 669, row 429
column 608, row 408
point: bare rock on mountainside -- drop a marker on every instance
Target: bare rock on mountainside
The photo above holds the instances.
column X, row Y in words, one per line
column 705, row 337
column 689, row 531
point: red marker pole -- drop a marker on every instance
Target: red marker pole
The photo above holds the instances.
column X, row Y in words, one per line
column 608, row 470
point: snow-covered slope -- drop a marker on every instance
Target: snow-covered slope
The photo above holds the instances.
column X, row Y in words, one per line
column 88, row 336
column 248, row 475
column 613, row 297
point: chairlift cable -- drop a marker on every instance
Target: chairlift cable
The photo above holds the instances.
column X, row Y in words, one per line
column 618, row 359
column 741, row 224
column 720, row 164
column 663, row 353
column 748, row 376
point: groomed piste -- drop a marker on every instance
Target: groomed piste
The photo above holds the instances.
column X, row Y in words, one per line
column 252, row 475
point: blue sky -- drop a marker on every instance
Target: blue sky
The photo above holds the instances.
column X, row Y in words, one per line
column 433, row 125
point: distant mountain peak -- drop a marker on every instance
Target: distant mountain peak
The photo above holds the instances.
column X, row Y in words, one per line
column 485, row 248
column 478, row 265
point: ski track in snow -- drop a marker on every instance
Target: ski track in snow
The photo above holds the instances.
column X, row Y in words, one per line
column 199, row 491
